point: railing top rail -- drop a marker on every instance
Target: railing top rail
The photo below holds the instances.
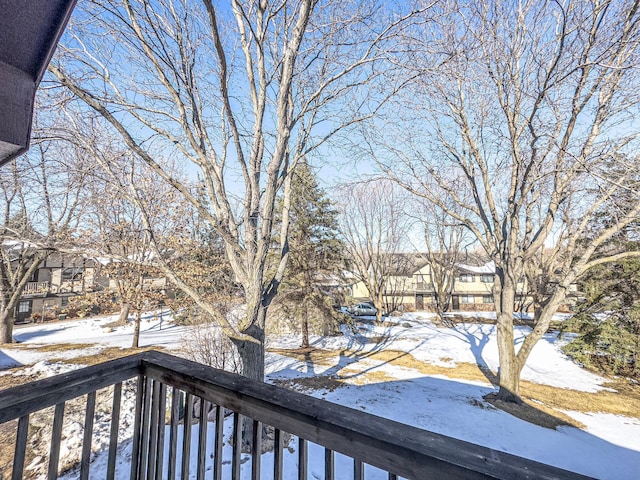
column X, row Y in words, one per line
column 33, row 396
column 396, row 447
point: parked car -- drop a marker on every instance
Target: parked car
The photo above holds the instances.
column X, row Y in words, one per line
column 362, row 309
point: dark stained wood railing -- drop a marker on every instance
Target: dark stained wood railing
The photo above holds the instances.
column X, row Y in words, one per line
column 169, row 387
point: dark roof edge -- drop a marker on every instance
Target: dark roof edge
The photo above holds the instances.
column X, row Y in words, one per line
column 65, row 12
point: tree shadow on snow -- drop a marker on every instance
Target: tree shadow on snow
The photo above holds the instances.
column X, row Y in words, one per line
column 6, row 361
column 22, row 336
column 458, row 409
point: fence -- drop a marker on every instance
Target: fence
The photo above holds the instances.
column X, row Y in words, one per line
column 170, row 390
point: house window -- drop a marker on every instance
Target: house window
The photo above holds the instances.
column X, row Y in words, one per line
column 487, row 299
column 467, row 299
column 422, row 282
column 72, row 273
column 466, row 277
column 64, row 301
column 24, row 307
column 486, row 278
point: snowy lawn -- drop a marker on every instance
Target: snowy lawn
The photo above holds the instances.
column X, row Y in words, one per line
column 407, row 370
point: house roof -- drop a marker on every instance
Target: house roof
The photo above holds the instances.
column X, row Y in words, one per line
column 406, row 263
column 488, row 267
column 29, row 33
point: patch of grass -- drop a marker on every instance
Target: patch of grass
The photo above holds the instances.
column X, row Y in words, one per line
column 114, row 324
column 12, row 378
column 109, row 353
column 7, row 446
column 316, row 356
column 534, row 412
column 49, row 347
column 310, row 384
column 354, row 376
column 616, row 403
column 376, row 339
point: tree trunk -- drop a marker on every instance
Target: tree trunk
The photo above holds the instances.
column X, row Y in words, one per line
column 378, row 302
column 438, row 320
column 6, row 324
column 124, row 313
column 305, row 328
column 252, row 353
column 8, row 316
column 136, row 331
column 509, row 374
column 11, row 295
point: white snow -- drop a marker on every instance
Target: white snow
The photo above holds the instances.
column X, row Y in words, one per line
column 608, row 447
column 488, row 267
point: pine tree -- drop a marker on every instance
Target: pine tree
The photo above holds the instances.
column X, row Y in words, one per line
column 607, row 321
column 315, row 256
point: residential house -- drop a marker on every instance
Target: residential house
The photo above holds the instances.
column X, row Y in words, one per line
column 408, row 278
column 409, row 286
column 58, row 278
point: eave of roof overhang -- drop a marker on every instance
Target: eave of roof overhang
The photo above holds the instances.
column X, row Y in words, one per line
column 29, row 33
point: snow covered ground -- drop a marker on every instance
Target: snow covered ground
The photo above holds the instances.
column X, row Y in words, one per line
column 374, row 374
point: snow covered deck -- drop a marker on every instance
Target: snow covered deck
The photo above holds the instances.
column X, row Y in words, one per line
column 171, row 391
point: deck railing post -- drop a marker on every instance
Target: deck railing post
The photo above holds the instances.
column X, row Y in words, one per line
column 176, row 399
column 329, row 460
column 218, row 444
column 153, row 432
column 162, row 409
column 303, row 459
column 277, row 455
column 88, row 436
column 202, row 438
column 56, row 434
column 237, row 446
column 186, row 435
column 256, row 449
column 135, row 453
column 21, row 448
column 115, row 429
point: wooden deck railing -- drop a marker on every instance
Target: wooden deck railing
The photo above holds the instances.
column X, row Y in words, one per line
column 36, row 288
column 169, row 387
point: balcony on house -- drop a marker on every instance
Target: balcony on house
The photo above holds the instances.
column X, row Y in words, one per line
column 36, row 288
column 171, row 393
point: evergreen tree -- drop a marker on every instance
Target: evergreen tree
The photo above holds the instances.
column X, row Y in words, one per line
column 315, row 256
column 607, row 321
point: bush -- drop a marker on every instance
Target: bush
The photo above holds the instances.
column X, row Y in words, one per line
column 607, row 320
column 89, row 304
column 207, row 344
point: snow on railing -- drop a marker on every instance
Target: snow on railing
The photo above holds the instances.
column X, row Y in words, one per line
column 253, row 430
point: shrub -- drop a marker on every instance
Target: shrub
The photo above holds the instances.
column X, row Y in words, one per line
column 207, row 344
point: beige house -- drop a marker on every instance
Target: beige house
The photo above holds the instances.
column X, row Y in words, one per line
column 58, row 278
column 472, row 287
column 409, row 278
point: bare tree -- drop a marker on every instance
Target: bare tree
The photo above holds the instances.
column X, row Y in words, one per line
column 241, row 93
column 523, row 107
column 374, row 228
column 41, row 201
column 444, row 238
